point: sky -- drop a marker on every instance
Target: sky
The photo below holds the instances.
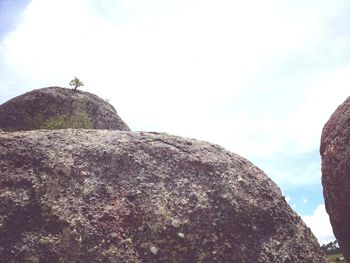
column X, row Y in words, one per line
column 259, row 78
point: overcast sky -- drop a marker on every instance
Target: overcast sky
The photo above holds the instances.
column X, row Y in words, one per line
column 259, row 78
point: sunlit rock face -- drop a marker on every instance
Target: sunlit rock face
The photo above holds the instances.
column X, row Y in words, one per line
column 57, row 108
column 115, row 196
column 335, row 151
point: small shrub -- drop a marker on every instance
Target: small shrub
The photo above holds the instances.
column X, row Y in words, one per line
column 75, row 118
column 79, row 120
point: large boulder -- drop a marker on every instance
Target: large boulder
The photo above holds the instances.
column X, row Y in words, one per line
column 335, row 152
column 55, row 108
column 114, row 196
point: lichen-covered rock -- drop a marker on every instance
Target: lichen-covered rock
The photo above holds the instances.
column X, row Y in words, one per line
column 114, row 196
column 335, row 152
column 57, row 108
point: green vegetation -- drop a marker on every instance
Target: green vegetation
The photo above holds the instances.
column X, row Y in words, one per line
column 76, row 83
column 77, row 119
column 331, row 248
column 333, row 252
column 336, row 258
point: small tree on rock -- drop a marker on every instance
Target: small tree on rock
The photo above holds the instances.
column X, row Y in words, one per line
column 76, row 83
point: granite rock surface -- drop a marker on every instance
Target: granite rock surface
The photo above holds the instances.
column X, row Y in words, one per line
column 57, row 108
column 335, row 152
column 115, row 196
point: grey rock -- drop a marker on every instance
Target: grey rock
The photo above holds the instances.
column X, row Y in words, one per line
column 55, row 107
column 114, row 196
column 335, row 152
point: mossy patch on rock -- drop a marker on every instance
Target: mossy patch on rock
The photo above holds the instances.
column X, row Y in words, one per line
column 77, row 119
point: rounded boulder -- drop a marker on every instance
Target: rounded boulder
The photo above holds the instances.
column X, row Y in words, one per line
column 335, row 152
column 59, row 108
column 114, row 196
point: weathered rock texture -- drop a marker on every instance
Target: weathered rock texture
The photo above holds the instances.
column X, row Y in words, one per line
column 114, row 196
column 335, row 151
column 55, row 107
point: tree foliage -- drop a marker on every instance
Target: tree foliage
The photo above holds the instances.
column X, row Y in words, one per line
column 76, row 83
column 331, row 248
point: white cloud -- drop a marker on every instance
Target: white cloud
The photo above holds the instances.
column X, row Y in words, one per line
column 320, row 225
column 304, row 200
column 292, row 170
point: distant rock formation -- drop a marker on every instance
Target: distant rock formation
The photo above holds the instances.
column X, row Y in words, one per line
column 335, row 152
column 55, row 108
column 112, row 196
